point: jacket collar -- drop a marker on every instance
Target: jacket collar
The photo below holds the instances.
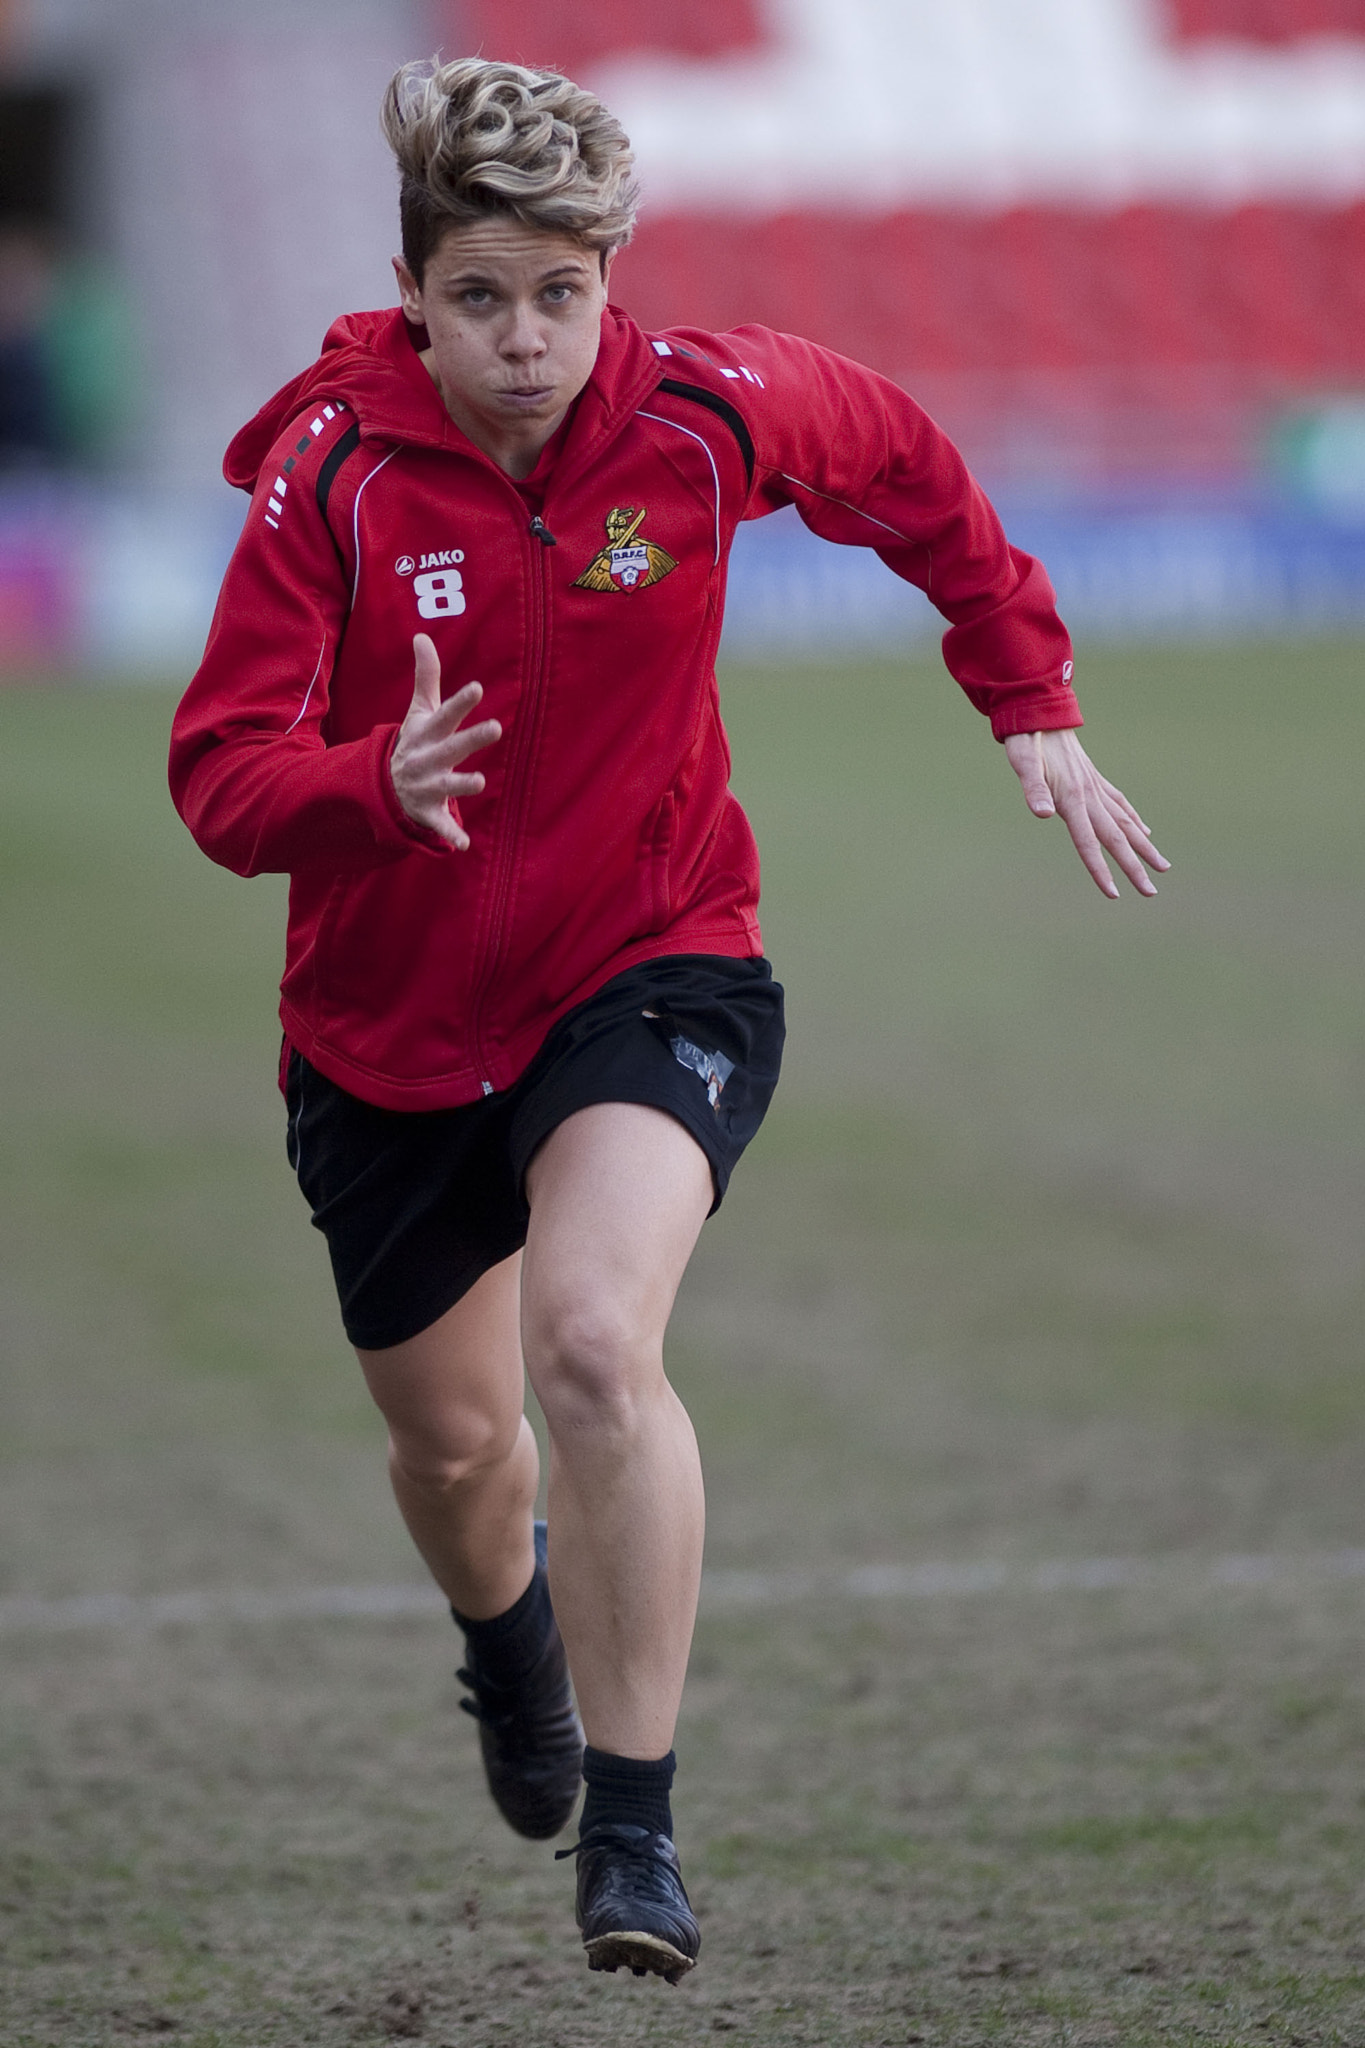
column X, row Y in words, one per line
column 370, row 360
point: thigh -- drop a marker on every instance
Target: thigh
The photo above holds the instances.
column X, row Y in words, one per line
column 459, row 1382
column 618, row 1194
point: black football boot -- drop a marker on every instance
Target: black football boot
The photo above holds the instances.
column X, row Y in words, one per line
column 530, row 1736
column 631, row 1904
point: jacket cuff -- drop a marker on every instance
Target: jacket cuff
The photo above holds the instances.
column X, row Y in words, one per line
column 1055, row 711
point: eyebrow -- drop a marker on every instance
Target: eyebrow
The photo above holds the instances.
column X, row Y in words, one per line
column 574, row 267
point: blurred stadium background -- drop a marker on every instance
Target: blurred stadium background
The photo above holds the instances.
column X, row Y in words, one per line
column 1117, row 247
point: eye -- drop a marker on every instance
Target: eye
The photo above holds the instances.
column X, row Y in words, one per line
column 559, row 294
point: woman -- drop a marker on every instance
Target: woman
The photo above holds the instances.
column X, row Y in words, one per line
column 460, row 686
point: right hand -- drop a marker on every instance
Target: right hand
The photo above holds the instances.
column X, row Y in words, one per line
column 431, row 744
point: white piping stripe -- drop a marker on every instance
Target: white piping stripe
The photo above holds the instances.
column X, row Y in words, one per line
column 355, row 521
column 295, row 1123
column 355, row 527
column 732, row 1590
column 715, row 473
column 852, row 508
column 311, row 687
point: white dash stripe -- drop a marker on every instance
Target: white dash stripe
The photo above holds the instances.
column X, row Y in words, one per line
column 722, row 1591
column 280, row 487
column 329, row 412
column 276, row 507
column 272, row 522
column 317, row 425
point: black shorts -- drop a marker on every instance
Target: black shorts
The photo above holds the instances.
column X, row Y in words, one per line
column 417, row 1204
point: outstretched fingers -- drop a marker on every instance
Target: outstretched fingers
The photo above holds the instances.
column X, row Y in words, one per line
column 431, row 744
column 1058, row 778
column 1098, row 826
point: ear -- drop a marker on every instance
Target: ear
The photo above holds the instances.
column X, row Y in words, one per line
column 409, row 293
column 608, row 258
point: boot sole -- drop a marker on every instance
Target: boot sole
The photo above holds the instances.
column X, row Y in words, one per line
column 646, row 1954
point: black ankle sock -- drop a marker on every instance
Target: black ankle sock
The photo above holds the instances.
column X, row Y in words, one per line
column 503, row 1649
column 622, row 1788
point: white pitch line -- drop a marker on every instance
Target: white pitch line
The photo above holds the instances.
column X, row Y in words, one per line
column 722, row 1591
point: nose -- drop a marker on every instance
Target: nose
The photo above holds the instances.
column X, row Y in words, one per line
column 524, row 336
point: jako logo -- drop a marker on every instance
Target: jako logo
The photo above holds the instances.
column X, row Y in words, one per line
column 439, row 589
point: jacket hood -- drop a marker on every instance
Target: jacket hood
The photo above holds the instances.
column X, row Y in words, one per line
column 371, row 361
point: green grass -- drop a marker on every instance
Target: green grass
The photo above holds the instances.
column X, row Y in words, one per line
column 1050, row 1248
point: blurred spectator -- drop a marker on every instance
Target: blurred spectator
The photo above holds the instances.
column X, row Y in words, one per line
column 68, row 369
column 30, row 429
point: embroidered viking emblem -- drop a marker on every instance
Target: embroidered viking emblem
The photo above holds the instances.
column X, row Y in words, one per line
column 628, row 561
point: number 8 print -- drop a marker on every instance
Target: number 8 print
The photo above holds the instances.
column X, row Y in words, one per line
column 440, row 594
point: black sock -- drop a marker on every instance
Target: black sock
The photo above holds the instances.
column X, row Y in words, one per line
column 622, row 1788
column 503, row 1649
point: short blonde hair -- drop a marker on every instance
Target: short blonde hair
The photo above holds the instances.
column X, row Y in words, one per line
column 475, row 137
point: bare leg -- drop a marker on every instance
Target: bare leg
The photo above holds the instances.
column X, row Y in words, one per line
column 462, row 1458
column 618, row 1196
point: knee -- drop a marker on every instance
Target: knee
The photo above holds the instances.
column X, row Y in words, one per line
column 592, row 1366
column 442, row 1457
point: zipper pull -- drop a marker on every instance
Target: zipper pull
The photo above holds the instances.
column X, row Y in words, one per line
column 543, row 533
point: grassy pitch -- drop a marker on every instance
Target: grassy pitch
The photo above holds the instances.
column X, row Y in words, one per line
column 1047, row 1263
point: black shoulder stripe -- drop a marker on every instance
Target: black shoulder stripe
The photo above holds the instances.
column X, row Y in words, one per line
column 346, row 444
column 722, row 408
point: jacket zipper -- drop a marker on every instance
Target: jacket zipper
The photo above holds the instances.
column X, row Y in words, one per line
column 518, row 786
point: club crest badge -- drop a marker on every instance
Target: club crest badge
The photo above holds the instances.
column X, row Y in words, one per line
column 629, row 561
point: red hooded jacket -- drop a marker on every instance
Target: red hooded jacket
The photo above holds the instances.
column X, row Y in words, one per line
column 418, row 977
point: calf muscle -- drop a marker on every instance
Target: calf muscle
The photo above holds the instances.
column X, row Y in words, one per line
column 462, row 1458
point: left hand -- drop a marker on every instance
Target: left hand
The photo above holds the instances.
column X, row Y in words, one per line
column 1059, row 777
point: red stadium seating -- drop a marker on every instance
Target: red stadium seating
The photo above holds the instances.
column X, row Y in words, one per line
column 1266, row 21
column 1274, row 290
column 575, row 39
column 1154, row 341
column 1165, row 332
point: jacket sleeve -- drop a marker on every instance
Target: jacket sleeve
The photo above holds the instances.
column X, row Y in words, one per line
column 866, row 467
column 250, row 771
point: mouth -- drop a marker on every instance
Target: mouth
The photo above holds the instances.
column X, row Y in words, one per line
column 534, row 394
